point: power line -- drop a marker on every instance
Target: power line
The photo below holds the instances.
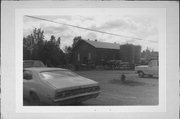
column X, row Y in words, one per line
column 84, row 28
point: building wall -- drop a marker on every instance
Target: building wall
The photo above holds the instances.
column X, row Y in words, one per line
column 86, row 53
column 98, row 55
column 106, row 55
column 130, row 53
column 137, row 56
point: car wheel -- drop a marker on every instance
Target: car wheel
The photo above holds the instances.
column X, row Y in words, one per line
column 141, row 74
column 34, row 99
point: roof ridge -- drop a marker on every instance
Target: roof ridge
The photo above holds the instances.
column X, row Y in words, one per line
column 102, row 42
column 105, row 45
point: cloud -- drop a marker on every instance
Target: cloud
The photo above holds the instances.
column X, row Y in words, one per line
column 55, row 30
column 65, row 17
column 27, row 19
column 115, row 24
column 91, row 36
column 144, row 27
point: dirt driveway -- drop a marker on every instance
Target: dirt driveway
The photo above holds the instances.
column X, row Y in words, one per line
column 134, row 91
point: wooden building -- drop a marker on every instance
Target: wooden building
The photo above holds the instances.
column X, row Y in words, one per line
column 93, row 53
column 87, row 52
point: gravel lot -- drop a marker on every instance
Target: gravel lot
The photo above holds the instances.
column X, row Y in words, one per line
column 134, row 91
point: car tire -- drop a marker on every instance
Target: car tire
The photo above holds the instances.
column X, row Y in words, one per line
column 140, row 74
column 34, row 99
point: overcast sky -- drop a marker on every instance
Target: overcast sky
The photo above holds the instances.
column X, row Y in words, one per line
column 143, row 27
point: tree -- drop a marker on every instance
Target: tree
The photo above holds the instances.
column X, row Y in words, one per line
column 53, row 55
column 58, row 41
column 35, row 47
column 68, row 49
column 33, row 44
column 76, row 39
column 53, row 39
column 27, row 47
column 68, row 54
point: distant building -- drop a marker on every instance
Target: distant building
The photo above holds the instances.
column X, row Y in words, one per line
column 154, row 55
column 148, row 55
column 88, row 52
column 130, row 53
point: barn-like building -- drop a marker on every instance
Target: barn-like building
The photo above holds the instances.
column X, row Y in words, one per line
column 93, row 53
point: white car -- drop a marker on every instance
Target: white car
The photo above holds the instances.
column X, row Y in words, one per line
column 57, row 86
column 152, row 69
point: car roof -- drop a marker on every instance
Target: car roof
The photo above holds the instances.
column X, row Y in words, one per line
column 42, row 69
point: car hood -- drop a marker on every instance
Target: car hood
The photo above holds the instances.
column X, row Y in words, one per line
column 70, row 82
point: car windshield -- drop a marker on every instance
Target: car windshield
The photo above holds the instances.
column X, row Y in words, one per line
column 154, row 63
column 57, row 74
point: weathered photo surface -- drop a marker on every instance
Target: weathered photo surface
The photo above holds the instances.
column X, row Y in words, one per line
column 90, row 60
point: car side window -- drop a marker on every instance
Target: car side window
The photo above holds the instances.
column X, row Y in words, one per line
column 27, row 75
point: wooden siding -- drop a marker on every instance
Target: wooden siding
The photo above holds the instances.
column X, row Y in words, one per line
column 97, row 54
column 83, row 49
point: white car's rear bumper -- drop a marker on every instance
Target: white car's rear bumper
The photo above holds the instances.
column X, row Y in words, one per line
column 76, row 98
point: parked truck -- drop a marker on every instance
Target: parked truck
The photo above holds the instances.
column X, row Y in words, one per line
column 152, row 69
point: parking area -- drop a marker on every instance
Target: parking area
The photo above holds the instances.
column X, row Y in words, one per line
column 134, row 91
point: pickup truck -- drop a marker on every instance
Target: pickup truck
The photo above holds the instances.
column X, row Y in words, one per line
column 152, row 69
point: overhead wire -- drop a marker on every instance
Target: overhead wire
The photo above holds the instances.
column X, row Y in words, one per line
column 85, row 28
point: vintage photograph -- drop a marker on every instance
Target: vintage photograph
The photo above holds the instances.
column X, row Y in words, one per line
column 104, row 59
column 100, row 60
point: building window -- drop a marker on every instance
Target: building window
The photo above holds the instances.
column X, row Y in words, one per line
column 89, row 56
column 78, row 57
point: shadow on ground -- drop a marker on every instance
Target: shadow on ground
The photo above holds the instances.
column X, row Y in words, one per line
column 127, row 82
